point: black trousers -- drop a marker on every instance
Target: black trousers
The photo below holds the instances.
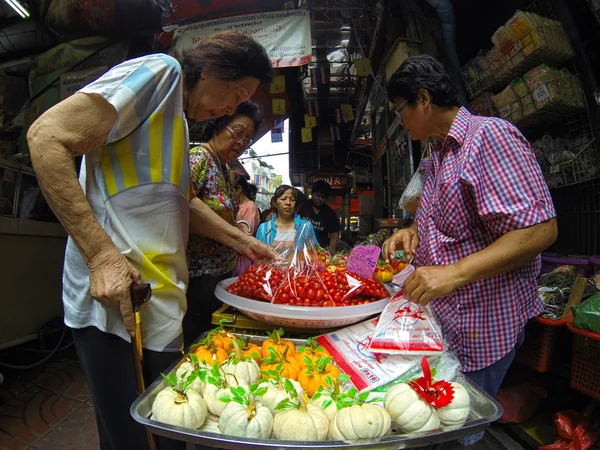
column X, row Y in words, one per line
column 107, row 363
column 201, row 304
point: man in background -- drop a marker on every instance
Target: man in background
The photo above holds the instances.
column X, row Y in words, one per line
column 324, row 219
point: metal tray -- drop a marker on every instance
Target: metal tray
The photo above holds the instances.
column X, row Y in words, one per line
column 484, row 411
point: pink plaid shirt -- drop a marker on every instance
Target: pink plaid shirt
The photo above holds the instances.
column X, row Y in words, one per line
column 481, row 183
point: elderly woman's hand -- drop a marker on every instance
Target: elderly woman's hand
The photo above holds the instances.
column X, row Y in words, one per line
column 111, row 276
column 255, row 250
column 406, row 239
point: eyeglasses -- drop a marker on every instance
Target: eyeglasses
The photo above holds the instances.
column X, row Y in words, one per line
column 239, row 137
column 398, row 111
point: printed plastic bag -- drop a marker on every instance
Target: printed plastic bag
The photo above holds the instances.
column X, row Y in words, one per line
column 407, row 329
column 349, row 348
column 443, row 367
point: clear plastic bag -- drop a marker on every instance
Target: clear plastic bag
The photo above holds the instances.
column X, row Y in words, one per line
column 406, row 328
column 299, row 277
column 412, row 194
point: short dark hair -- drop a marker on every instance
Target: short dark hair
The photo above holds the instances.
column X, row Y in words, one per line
column 245, row 109
column 253, row 191
column 240, row 181
column 427, row 73
column 228, row 56
column 321, row 187
column 282, row 190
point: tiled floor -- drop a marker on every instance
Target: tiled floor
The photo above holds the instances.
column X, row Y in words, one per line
column 47, row 408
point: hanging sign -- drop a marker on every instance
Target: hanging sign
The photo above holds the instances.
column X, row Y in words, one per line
column 363, row 67
column 310, row 121
column 279, row 106
column 277, row 85
column 306, row 135
column 347, row 112
column 336, row 181
column 71, row 82
column 285, row 35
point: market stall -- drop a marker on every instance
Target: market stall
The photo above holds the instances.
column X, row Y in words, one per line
column 339, row 379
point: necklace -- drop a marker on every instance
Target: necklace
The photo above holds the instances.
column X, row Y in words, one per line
column 217, row 162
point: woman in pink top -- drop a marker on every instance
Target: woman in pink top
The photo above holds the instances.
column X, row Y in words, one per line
column 248, row 218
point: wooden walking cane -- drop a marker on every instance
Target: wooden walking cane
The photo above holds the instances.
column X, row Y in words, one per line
column 140, row 294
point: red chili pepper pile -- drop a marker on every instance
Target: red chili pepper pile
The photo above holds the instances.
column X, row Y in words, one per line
column 339, row 288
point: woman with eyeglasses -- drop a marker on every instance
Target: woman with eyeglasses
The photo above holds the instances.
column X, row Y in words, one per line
column 209, row 261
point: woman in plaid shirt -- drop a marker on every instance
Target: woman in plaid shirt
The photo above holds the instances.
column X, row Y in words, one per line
column 484, row 217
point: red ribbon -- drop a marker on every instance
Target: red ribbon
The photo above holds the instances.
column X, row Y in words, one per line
column 438, row 394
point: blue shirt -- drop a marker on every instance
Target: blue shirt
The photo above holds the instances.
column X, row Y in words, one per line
column 304, row 231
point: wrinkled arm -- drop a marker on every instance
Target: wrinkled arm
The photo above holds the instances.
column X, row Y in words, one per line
column 204, row 221
column 72, row 128
column 509, row 252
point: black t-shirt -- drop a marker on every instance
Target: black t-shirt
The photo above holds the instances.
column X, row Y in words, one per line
column 324, row 222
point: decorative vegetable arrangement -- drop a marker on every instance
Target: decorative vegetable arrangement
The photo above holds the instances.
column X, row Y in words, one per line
column 383, row 272
column 298, row 394
column 338, row 288
column 422, row 405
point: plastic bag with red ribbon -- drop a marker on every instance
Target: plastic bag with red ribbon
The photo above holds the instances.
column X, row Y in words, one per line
column 406, row 328
column 575, row 430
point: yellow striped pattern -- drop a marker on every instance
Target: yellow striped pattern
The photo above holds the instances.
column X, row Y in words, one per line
column 125, row 155
column 156, row 121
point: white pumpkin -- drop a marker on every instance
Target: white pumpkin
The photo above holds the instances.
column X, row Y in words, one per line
column 330, row 411
column 366, row 421
column 276, row 393
column 456, row 413
column 409, row 411
column 174, row 407
column 186, row 369
column 309, row 423
column 212, row 394
column 246, row 370
column 254, row 421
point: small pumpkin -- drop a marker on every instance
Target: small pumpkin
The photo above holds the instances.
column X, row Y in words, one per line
column 277, row 343
column 252, row 351
column 360, row 421
column 209, row 354
column 312, row 350
column 456, row 413
column 276, row 390
column 296, row 420
column 315, row 374
column 218, row 385
column 178, row 405
column 245, row 417
column 290, row 365
column 221, row 338
column 326, row 397
column 409, row 410
column 191, row 366
column 245, row 369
